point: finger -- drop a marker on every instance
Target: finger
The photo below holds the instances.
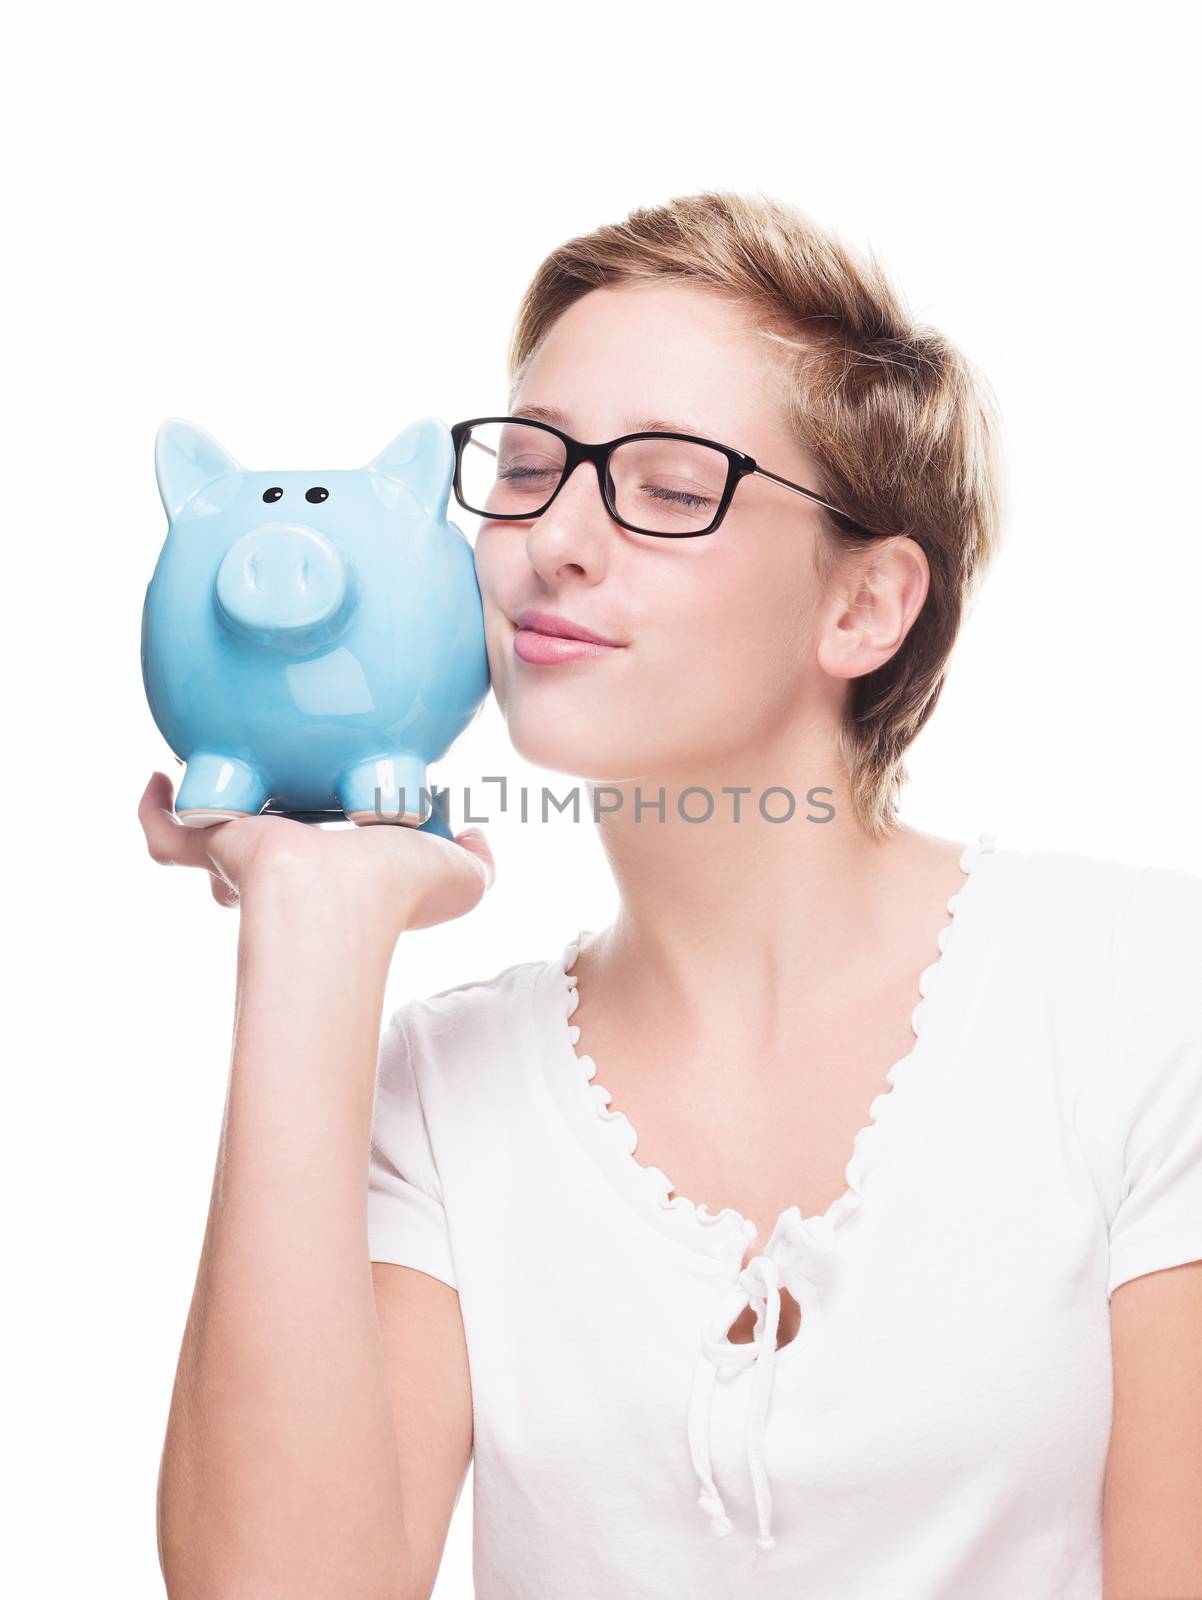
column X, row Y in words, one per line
column 477, row 845
column 167, row 839
column 222, row 892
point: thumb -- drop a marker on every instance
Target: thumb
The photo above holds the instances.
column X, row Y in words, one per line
column 474, row 842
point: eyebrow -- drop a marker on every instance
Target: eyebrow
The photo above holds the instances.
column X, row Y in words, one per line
column 560, row 419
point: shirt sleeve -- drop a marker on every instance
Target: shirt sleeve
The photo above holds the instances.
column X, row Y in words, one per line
column 406, row 1219
column 1157, row 1037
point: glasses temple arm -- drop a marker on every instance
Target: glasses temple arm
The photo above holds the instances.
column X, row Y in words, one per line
column 810, row 495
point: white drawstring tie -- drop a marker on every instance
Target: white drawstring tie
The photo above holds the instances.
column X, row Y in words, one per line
column 759, row 1281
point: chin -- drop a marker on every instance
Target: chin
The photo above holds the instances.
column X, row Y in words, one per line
column 578, row 745
column 553, row 744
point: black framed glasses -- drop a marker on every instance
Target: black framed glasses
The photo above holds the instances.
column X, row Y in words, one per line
column 668, row 485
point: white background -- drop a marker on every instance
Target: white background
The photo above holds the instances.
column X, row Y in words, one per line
column 303, row 227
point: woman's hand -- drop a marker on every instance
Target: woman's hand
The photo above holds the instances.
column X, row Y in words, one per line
column 407, row 878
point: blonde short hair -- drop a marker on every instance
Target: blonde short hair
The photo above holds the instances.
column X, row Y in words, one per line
column 903, row 428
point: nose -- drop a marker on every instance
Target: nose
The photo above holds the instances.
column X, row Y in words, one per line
column 572, row 532
column 592, row 486
column 283, row 583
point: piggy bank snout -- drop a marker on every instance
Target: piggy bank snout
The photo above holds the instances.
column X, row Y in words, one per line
column 281, row 581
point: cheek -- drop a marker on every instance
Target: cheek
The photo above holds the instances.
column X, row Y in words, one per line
column 491, row 563
column 501, row 568
column 495, row 556
column 742, row 618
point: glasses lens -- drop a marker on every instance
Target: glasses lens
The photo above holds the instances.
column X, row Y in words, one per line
column 667, row 486
column 658, row 484
column 509, row 469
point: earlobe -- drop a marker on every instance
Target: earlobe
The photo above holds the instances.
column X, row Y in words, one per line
column 186, row 460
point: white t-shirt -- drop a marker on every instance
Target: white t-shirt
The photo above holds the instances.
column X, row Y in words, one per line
column 938, row 1428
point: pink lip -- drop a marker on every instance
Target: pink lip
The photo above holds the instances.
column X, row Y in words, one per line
column 545, row 639
column 559, row 627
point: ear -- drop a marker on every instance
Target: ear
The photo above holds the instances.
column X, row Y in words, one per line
column 186, row 460
column 423, row 460
column 874, row 607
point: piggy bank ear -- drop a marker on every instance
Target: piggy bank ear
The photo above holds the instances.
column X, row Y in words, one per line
column 423, row 459
column 186, row 460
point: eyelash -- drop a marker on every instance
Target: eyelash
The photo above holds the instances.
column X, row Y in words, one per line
column 692, row 502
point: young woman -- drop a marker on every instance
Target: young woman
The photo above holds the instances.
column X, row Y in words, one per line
column 831, row 1224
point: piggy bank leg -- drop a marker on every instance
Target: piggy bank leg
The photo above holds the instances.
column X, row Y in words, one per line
column 386, row 789
column 217, row 788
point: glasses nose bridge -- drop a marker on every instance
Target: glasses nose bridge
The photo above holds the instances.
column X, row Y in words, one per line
column 581, row 455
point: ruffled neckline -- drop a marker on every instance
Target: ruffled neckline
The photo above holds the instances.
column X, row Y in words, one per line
column 805, row 1241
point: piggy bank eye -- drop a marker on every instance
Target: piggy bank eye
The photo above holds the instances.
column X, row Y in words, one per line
column 316, row 496
column 272, row 495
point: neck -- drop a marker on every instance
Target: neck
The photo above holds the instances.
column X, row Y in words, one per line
column 721, row 918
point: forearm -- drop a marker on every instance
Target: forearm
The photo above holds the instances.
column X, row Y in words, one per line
column 280, row 1473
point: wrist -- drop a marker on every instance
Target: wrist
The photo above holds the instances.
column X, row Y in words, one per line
column 343, row 912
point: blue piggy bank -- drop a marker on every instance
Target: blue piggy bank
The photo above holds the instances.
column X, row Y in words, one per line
column 311, row 639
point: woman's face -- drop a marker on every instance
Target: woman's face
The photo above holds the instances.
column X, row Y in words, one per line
column 716, row 635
